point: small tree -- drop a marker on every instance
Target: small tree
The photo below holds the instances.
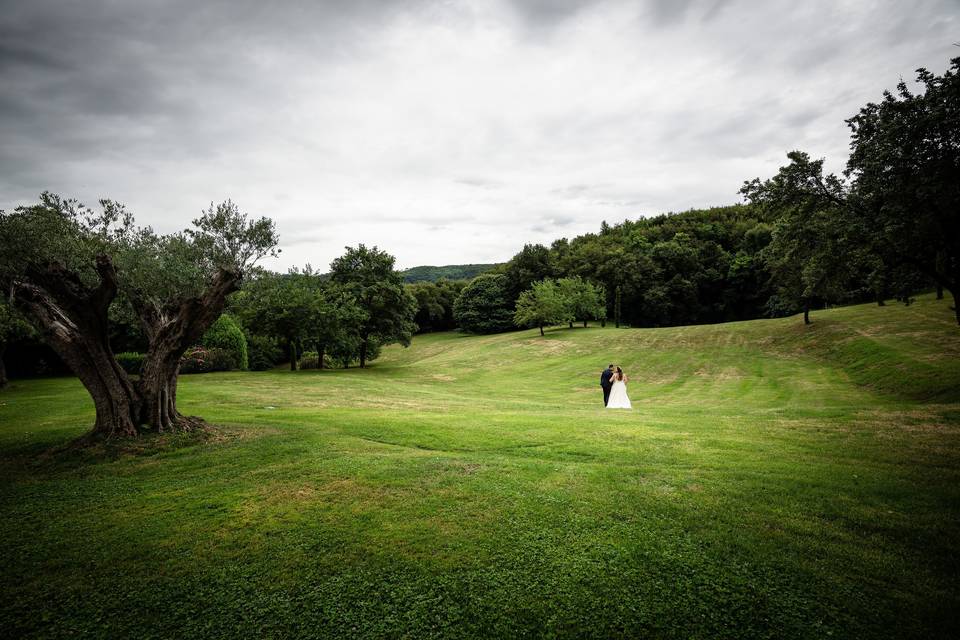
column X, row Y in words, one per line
column 542, row 305
column 281, row 306
column 585, row 301
column 484, row 305
column 336, row 316
column 387, row 308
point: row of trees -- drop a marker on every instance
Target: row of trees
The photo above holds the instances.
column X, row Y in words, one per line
column 891, row 222
column 550, row 302
column 345, row 315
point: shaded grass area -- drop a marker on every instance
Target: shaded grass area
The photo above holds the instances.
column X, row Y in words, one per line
column 774, row 480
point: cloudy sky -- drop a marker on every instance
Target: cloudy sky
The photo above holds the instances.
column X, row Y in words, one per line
column 442, row 131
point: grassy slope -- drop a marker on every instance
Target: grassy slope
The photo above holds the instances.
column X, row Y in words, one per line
column 774, row 480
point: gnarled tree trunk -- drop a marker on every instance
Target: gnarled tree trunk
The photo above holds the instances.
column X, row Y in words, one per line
column 72, row 319
column 170, row 330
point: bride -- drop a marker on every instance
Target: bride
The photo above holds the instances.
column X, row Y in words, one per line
column 618, row 393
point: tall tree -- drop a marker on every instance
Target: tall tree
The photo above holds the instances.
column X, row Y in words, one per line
column 65, row 264
column 533, row 263
column 814, row 241
column 905, row 165
column 388, row 309
column 484, row 306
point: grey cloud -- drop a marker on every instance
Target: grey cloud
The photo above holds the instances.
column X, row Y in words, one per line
column 440, row 130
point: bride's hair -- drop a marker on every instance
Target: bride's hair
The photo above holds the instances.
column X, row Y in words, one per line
column 619, row 373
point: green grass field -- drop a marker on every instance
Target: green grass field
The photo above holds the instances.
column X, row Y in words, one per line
column 773, row 480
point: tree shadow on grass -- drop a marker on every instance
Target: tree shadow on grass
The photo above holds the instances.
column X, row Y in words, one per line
column 87, row 451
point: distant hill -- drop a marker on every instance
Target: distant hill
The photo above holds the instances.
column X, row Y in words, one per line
column 450, row 272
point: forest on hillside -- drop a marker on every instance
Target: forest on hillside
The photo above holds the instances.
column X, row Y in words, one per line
column 446, row 272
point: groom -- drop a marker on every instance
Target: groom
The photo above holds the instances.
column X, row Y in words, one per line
column 605, row 383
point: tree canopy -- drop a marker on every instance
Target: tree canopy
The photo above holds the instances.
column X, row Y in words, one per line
column 388, row 308
column 65, row 264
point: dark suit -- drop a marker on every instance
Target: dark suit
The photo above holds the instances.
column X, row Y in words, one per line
column 605, row 384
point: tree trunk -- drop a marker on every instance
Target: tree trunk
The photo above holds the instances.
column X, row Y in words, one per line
column 571, row 324
column 881, row 302
column 320, row 349
column 363, row 352
column 3, row 367
column 939, row 291
column 616, row 310
column 292, row 348
column 541, row 330
column 806, row 312
column 158, row 389
column 584, row 324
column 72, row 319
column 170, row 329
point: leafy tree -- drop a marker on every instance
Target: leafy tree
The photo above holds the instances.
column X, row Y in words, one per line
column 905, row 167
column 65, row 264
column 388, row 309
column 435, row 304
column 484, row 305
column 544, row 304
column 336, row 316
column 533, row 263
column 584, row 300
column 280, row 306
column 813, row 245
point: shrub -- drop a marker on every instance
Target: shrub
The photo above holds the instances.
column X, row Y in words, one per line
column 310, row 360
column 204, row 360
column 227, row 335
column 263, row 352
column 130, row 361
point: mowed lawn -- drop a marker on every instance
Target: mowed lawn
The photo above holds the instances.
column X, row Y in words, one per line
column 773, row 480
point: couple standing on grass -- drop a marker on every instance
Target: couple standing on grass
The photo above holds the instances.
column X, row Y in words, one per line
column 614, row 385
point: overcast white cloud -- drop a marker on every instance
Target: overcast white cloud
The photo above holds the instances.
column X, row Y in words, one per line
column 445, row 131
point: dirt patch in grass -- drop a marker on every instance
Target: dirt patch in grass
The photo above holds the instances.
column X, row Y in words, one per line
column 549, row 347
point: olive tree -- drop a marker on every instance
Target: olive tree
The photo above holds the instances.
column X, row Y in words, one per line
column 64, row 264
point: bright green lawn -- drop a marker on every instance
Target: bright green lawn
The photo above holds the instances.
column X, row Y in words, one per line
column 773, row 480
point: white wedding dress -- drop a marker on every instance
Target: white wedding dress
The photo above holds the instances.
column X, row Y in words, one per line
column 618, row 396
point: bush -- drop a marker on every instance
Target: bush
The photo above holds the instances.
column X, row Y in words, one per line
column 130, row 361
column 310, row 360
column 263, row 352
column 204, row 360
column 226, row 334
